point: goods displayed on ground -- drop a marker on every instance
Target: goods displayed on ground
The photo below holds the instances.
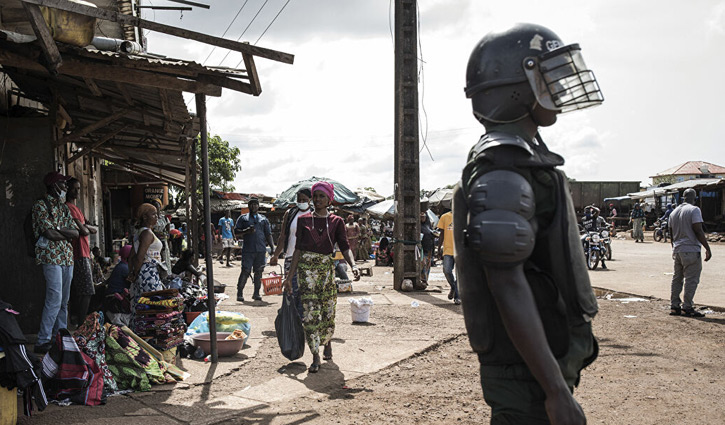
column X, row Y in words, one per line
column 159, row 319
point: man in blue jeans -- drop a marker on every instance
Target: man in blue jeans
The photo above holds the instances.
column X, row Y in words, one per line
column 257, row 233
column 54, row 228
column 445, row 252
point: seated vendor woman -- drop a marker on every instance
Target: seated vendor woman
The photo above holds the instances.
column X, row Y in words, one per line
column 317, row 233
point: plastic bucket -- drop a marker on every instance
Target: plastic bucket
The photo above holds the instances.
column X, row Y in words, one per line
column 360, row 314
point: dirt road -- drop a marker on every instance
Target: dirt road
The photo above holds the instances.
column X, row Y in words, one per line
column 652, row 368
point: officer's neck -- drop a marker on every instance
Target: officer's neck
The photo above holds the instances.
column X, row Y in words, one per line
column 525, row 128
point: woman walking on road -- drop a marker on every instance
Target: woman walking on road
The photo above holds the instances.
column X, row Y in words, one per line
column 313, row 263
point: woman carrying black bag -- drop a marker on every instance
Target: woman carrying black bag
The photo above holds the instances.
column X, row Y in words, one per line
column 290, row 333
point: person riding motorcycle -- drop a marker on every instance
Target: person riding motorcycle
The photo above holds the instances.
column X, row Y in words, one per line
column 527, row 300
column 666, row 216
column 593, row 222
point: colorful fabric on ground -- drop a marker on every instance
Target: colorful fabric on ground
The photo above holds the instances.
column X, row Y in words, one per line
column 91, row 339
column 318, row 292
column 132, row 367
column 161, row 328
column 71, row 374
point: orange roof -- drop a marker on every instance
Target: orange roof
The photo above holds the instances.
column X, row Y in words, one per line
column 692, row 167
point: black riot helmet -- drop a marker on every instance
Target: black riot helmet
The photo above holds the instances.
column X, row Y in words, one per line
column 511, row 72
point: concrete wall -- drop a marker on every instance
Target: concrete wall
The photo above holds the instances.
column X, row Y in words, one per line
column 26, row 156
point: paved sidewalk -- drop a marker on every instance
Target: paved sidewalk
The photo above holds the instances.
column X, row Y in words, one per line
column 258, row 377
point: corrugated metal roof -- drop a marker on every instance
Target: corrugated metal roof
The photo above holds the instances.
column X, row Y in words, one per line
column 692, row 168
column 694, row 183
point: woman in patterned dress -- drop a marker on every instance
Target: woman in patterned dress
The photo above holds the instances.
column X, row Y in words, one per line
column 146, row 256
column 317, row 234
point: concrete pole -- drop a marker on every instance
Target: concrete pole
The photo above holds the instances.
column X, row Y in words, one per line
column 406, row 264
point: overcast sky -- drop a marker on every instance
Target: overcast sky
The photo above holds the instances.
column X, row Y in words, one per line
column 659, row 64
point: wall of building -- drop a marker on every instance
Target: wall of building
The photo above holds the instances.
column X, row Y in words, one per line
column 26, row 156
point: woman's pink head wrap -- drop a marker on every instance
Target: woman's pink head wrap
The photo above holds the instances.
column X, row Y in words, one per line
column 326, row 188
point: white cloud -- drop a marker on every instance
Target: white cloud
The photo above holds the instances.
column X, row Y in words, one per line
column 331, row 113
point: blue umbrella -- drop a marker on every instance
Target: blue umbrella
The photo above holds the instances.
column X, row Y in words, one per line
column 343, row 195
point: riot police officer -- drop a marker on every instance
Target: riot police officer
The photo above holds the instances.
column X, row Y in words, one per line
column 527, row 300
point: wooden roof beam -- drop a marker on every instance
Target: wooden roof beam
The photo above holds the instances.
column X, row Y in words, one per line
column 166, row 29
column 252, row 73
column 45, row 39
column 93, row 87
column 91, row 128
column 86, row 150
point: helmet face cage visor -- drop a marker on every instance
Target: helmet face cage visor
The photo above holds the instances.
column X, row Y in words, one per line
column 561, row 81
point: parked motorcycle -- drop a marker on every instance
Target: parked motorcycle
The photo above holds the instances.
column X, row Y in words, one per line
column 594, row 248
column 607, row 242
column 662, row 231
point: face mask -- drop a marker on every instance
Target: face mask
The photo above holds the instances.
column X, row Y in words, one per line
column 61, row 195
column 303, row 205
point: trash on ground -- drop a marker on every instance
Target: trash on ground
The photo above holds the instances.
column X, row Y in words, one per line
column 414, row 304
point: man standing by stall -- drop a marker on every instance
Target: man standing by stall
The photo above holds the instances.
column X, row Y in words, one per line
column 257, row 233
column 54, row 228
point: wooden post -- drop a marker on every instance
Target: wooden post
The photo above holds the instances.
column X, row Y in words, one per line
column 406, row 264
column 201, row 113
column 193, row 230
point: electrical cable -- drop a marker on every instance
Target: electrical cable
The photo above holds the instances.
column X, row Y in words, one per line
column 421, row 76
column 270, row 24
column 265, row 30
column 245, row 29
column 226, row 30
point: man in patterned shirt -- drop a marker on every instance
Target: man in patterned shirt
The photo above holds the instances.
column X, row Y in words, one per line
column 54, row 228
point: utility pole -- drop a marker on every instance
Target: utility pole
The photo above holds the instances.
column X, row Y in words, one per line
column 406, row 264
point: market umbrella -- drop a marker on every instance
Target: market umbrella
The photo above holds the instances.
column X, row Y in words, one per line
column 386, row 211
column 343, row 195
column 441, row 197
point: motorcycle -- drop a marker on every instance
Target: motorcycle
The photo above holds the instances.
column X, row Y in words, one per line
column 595, row 247
column 662, row 231
column 606, row 235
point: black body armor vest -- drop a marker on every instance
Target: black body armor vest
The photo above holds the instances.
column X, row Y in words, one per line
column 556, row 271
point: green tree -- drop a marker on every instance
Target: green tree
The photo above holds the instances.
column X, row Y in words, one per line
column 224, row 162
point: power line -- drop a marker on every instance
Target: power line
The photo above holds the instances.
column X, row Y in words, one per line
column 421, row 73
column 270, row 24
column 245, row 30
column 225, row 31
column 265, row 30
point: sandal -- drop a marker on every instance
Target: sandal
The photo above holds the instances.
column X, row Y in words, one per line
column 314, row 367
column 675, row 311
column 327, row 354
column 692, row 313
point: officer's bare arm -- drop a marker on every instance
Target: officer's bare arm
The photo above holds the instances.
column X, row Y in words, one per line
column 521, row 318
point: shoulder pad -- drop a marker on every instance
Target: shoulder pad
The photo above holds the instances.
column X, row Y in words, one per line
column 501, row 237
column 502, row 190
column 492, row 140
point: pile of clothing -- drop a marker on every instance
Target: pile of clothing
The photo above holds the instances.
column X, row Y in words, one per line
column 19, row 368
column 159, row 319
